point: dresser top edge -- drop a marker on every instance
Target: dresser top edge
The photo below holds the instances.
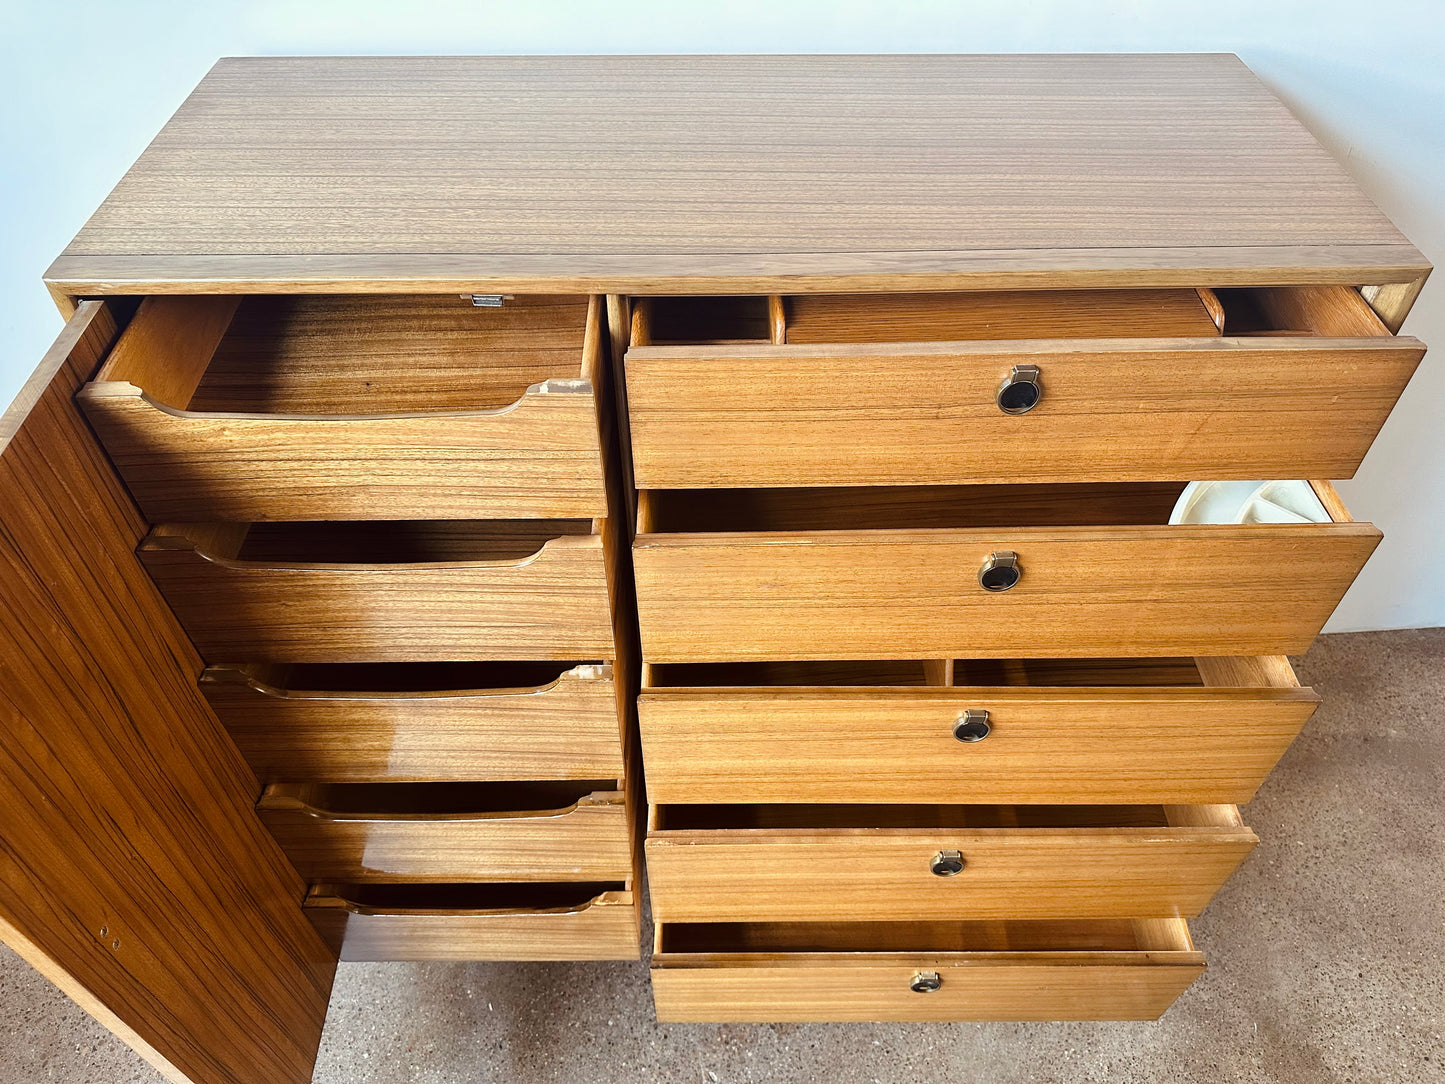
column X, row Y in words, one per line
column 99, row 276
column 747, row 174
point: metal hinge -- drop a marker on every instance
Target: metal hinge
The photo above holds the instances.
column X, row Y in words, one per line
column 487, row 301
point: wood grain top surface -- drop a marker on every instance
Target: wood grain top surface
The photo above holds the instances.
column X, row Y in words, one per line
column 646, row 174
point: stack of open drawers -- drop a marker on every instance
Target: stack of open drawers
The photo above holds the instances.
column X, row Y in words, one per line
column 326, row 605
column 384, row 523
column 942, row 718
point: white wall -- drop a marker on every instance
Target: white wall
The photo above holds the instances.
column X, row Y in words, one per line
column 84, row 86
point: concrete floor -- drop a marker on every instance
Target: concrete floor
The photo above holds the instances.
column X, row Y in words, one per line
column 1325, row 958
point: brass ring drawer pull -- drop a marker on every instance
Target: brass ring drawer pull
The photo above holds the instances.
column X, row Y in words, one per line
column 946, row 863
column 925, row 982
column 972, row 726
column 1021, row 391
column 1000, row 571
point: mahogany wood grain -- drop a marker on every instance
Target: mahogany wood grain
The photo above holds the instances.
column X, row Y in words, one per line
column 361, row 408
column 450, row 832
column 817, row 173
column 846, row 863
column 862, row 972
column 1047, row 743
column 476, row 922
column 133, row 871
column 873, row 400
column 913, row 593
column 550, row 605
column 291, row 730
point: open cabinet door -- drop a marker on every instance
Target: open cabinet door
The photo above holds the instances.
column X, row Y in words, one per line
column 134, row 872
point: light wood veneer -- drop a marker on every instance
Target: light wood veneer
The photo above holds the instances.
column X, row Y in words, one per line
column 214, row 408
column 989, row 971
column 900, row 390
column 297, row 724
column 419, row 592
column 450, row 832
column 848, row 733
column 476, row 922
column 742, row 174
column 833, row 863
column 333, row 463
column 134, row 872
column 779, row 574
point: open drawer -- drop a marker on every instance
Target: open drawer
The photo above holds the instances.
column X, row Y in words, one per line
column 1204, row 730
column 1029, row 386
column 926, row 971
column 477, row 922
column 355, row 407
column 910, row 572
column 371, row 722
column 386, row 591
column 880, row 863
column 375, row 832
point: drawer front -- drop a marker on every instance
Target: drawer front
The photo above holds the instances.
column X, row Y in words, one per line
column 604, row 927
column 882, row 874
column 910, row 594
column 566, row 729
column 355, row 407
column 838, row 990
column 587, row 841
column 1084, row 745
column 924, row 413
column 552, row 605
column 539, row 457
column 1061, row 970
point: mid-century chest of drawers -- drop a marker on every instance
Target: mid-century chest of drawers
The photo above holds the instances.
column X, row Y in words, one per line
column 437, row 446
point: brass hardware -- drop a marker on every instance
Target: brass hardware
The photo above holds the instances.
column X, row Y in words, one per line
column 925, row 982
column 1001, row 571
column 1021, row 391
column 972, row 725
column 946, row 863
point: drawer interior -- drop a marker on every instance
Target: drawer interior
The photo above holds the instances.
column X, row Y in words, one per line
column 918, row 672
column 854, row 508
column 458, row 899
column 369, row 542
column 700, row 320
column 399, row 801
column 1052, row 935
column 688, row 818
column 347, row 354
column 399, row 679
column 1335, row 311
column 1077, row 672
column 746, row 674
column 1047, row 314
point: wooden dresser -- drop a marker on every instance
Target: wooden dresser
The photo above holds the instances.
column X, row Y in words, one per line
column 435, row 444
